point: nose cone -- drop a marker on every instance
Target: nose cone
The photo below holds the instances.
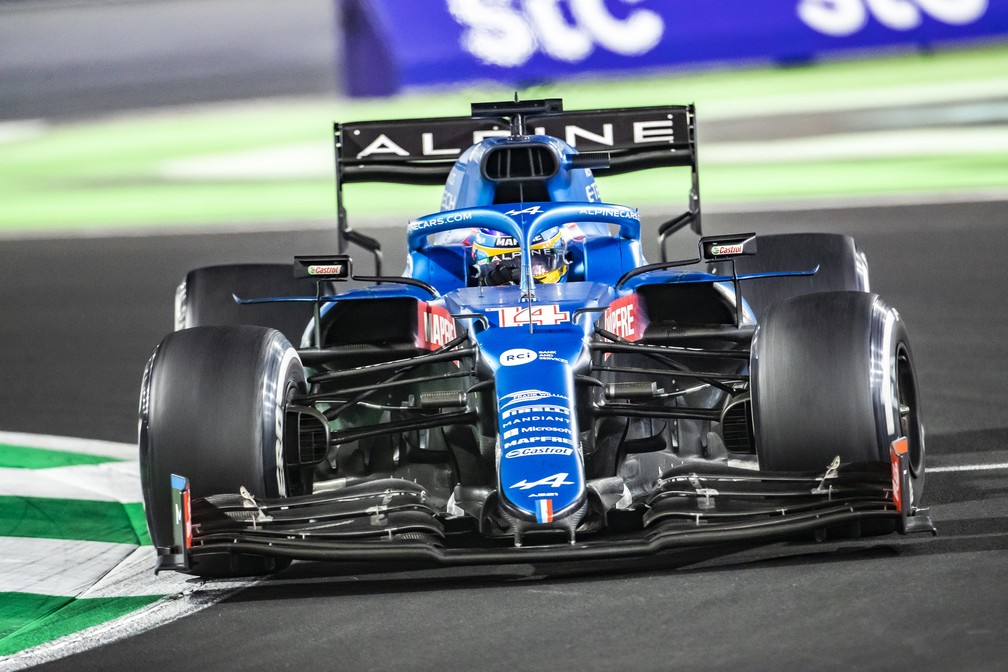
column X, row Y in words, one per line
column 539, row 461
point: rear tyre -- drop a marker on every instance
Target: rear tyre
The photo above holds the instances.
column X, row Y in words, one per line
column 212, row 409
column 833, row 374
column 842, row 267
column 206, row 298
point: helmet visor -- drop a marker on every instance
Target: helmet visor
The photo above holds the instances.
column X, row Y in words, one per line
column 548, row 265
column 549, row 254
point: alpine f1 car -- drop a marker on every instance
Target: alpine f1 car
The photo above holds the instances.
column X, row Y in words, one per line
column 531, row 388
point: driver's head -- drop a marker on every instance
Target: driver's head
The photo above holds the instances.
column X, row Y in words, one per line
column 498, row 257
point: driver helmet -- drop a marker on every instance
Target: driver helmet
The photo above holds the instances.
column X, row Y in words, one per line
column 498, row 257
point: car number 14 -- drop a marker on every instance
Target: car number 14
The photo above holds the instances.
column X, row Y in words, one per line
column 516, row 316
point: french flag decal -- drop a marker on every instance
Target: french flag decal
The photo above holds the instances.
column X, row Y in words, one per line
column 544, row 510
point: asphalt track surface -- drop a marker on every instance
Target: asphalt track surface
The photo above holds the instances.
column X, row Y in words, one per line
column 81, row 316
column 65, row 59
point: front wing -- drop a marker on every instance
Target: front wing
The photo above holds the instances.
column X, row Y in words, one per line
column 392, row 520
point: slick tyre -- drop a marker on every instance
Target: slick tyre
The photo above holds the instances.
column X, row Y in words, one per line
column 212, row 409
column 206, row 298
column 833, row 374
column 842, row 267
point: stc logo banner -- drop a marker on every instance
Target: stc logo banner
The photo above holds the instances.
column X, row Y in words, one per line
column 389, row 44
column 508, row 34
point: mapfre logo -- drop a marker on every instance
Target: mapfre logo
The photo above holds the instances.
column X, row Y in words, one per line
column 620, row 320
column 508, row 33
column 841, row 18
column 435, row 326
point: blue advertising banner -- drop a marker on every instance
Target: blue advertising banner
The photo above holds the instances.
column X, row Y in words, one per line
column 390, row 44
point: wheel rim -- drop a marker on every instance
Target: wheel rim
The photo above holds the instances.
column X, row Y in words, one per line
column 909, row 410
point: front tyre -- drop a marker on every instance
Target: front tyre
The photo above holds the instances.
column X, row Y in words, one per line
column 833, row 374
column 212, row 409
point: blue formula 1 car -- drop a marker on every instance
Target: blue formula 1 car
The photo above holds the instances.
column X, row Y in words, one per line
column 530, row 389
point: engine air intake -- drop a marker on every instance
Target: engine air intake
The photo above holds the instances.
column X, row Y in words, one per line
column 520, row 162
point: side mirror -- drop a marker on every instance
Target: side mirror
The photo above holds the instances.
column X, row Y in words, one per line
column 722, row 248
column 327, row 267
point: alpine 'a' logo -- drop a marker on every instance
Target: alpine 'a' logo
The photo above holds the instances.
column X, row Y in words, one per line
column 382, row 145
column 554, row 481
column 531, row 210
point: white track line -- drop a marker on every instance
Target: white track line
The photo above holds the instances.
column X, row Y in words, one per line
column 996, row 466
column 869, row 145
column 292, row 162
column 27, row 129
column 880, row 96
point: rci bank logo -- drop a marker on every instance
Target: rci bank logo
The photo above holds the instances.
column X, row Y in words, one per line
column 841, row 18
column 508, row 33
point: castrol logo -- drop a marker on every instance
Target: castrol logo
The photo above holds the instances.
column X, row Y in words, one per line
column 719, row 250
column 332, row 269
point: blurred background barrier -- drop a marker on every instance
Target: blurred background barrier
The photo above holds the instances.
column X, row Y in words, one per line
column 119, row 114
column 391, row 44
column 74, row 59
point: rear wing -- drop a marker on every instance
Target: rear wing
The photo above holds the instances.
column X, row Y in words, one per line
column 423, row 151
